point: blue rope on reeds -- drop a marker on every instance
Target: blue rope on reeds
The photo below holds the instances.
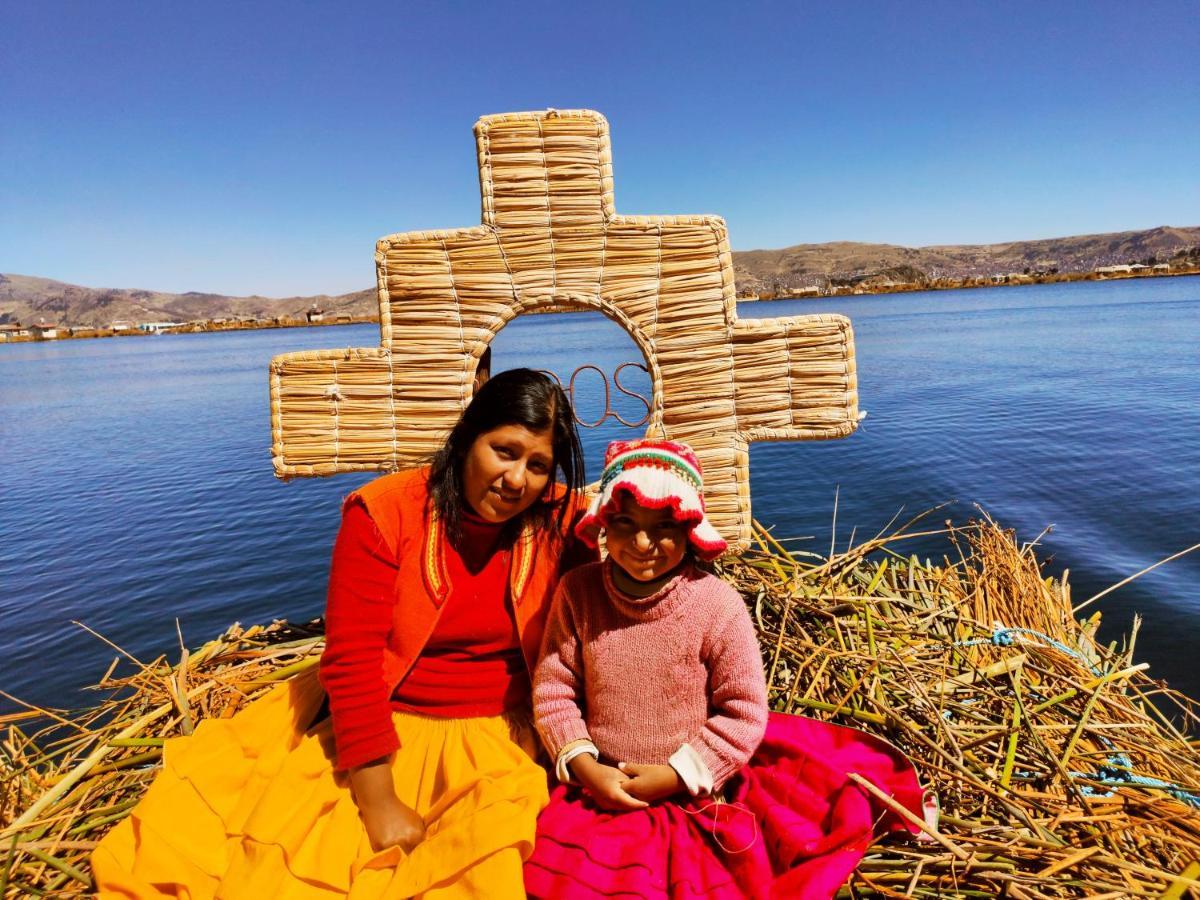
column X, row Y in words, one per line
column 1006, row 637
column 1117, row 770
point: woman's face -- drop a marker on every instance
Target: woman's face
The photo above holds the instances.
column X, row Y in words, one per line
column 506, row 470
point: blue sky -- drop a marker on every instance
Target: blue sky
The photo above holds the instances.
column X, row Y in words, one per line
column 263, row 147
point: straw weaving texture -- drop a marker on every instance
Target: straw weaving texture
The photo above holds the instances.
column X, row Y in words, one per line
column 551, row 239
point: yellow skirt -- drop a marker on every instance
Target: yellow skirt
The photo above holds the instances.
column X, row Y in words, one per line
column 251, row 807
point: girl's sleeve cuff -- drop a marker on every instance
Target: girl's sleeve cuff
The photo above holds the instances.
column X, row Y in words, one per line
column 695, row 775
column 568, row 753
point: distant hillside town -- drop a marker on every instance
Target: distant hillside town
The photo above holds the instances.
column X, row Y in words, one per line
column 33, row 308
column 907, row 278
column 46, row 331
column 821, row 270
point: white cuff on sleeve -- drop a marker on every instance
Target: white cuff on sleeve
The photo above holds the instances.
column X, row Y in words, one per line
column 560, row 766
column 692, row 771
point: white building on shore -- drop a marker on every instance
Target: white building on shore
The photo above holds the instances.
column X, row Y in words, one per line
column 158, row 327
column 7, row 332
column 44, row 332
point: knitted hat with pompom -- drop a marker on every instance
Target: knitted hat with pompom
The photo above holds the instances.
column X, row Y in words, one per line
column 658, row 474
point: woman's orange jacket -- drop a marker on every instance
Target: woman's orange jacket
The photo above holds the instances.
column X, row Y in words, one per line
column 369, row 652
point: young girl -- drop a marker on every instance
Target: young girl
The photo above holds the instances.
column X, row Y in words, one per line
column 651, row 700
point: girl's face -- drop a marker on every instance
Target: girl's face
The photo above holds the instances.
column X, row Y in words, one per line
column 506, row 470
column 646, row 543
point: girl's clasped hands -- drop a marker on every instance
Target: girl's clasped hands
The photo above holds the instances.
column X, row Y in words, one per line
column 626, row 785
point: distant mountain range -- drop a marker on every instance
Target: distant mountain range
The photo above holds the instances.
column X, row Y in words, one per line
column 28, row 299
column 807, row 265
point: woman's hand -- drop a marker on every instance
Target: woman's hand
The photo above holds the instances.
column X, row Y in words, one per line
column 651, row 783
column 605, row 784
column 392, row 824
column 389, row 822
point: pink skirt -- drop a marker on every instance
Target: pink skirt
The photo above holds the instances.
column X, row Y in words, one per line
column 791, row 824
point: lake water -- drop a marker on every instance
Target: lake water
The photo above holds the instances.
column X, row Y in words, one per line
column 137, row 484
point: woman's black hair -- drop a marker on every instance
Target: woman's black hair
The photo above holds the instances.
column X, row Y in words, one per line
column 515, row 397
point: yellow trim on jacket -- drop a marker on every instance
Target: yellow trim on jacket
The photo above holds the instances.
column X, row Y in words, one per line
column 398, row 505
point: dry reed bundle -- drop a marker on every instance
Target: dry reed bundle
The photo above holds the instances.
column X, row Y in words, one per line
column 1062, row 769
column 67, row 777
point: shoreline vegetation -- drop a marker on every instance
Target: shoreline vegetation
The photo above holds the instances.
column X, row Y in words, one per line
column 1062, row 768
column 149, row 329
column 884, row 285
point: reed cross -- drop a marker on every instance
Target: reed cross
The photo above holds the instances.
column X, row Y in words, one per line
column 551, row 239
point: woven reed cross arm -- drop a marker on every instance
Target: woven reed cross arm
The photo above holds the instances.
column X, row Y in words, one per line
column 551, row 238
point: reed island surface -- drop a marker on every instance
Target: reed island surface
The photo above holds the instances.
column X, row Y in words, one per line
column 1061, row 768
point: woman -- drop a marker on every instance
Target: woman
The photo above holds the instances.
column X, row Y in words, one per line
column 421, row 781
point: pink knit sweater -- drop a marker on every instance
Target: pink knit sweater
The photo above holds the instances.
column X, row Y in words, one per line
column 642, row 677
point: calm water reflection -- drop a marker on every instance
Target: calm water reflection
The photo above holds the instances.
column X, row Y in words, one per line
column 137, row 483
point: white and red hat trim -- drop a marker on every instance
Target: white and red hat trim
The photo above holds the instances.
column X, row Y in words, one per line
column 658, row 474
